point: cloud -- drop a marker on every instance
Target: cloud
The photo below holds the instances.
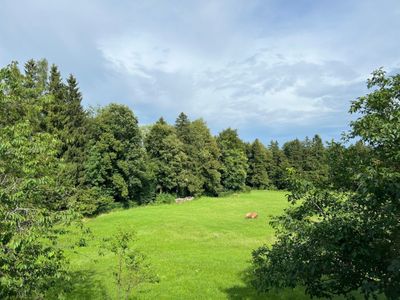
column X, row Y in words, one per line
column 271, row 69
column 269, row 87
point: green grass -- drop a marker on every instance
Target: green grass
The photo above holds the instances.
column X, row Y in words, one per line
column 199, row 249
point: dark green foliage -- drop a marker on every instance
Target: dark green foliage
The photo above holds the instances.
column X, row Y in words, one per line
column 277, row 171
column 315, row 164
column 346, row 163
column 166, row 152
column 334, row 243
column 117, row 162
column 54, row 110
column 92, row 201
column 308, row 157
column 205, row 152
column 294, row 151
column 201, row 170
column 233, row 159
column 182, row 125
column 259, row 160
column 75, row 125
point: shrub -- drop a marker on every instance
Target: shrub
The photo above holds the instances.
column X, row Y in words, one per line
column 92, row 201
column 165, row 198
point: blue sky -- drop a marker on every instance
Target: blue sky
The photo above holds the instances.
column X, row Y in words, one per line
column 271, row 69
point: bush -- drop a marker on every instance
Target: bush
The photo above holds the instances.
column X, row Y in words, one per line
column 165, row 198
column 92, row 201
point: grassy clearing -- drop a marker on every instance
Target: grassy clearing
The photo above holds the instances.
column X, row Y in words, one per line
column 199, row 249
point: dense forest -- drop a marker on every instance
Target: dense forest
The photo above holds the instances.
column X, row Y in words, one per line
column 59, row 161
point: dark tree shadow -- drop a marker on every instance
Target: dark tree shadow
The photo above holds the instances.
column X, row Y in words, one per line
column 247, row 291
column 80, row 285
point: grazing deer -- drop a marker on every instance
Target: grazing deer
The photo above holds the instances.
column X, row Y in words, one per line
column 251, row 215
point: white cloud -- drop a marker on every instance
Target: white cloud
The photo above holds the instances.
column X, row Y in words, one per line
column 272, row 86
column 249, row 64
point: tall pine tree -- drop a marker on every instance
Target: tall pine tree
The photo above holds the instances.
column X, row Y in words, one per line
column 233, row 159
column 259, row 160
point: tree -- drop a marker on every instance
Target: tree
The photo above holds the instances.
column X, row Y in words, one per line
column 74, row 132
column 345, row 163
column 29, row 260
column 308, row 158
column 117, row 162
column 334, row 243
column 12, row 95
column 233, row 160
column 278, row 168
column 201, row 169
column 182, row 125
column 205, row 153
column 165, row 150
column 315, row 165
column 33, row 197
column 295, row 154
column 259, row 159
column 54, row 110
column 132, row 268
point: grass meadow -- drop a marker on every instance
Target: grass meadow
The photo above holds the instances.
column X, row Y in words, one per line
column 199, row 249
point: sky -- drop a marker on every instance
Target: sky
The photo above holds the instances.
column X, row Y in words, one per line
column 271, row 69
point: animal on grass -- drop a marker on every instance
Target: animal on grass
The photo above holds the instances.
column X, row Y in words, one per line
column 251, row 215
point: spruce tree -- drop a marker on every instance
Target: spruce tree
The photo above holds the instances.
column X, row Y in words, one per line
column 206, row 155
column 233, row 159
column 55, row 116
column 74, row 132
column 316, row 166
column 278, row 169
column 201, row 169
column 259, row 160
column 182, row 125
column 295, row 153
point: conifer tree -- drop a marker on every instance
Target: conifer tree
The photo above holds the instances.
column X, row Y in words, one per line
column 206, row 157
column 233, row 159
column 55, row 116
column 278, row 169
column 201, row 169
column 74, row 133
column 259, row 160
column 295, row 153
column 182, row 125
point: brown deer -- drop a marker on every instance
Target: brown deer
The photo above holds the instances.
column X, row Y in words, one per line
column 251, row 215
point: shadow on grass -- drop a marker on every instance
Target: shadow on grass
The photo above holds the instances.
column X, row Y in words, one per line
column 247, row 291
column 81, row 285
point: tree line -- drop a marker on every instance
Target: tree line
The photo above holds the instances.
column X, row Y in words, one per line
column 109, row 160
